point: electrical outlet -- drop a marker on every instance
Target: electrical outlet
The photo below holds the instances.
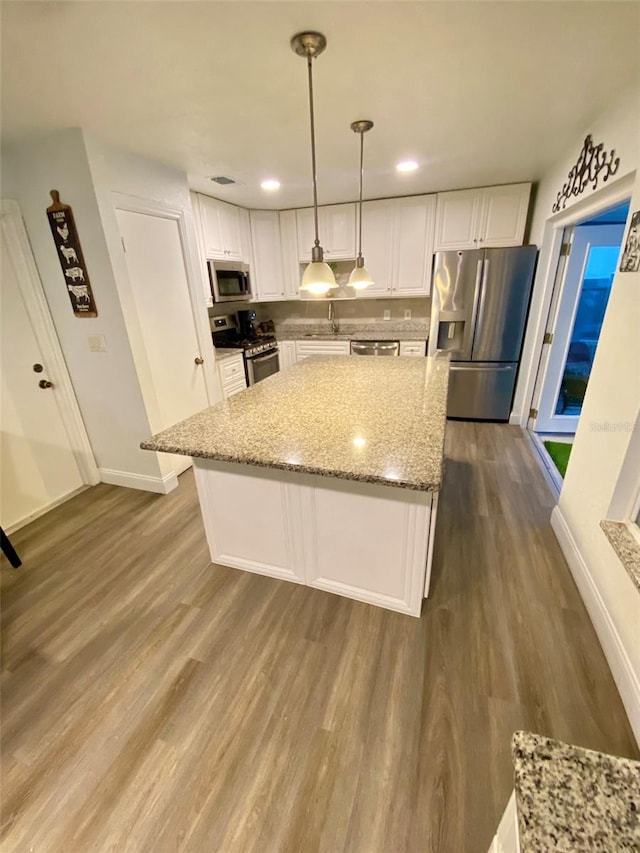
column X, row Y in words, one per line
column 97, row 343
column 407, row 313
column 386, row 314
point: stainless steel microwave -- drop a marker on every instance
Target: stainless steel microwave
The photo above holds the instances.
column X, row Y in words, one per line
column 229, row 281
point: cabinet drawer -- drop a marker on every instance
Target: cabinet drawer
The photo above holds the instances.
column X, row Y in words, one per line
column 231, row 388
column 415, row 348
column 231, row 368
column 307, row 348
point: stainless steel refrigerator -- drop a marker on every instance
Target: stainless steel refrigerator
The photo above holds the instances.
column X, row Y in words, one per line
column 480, row 300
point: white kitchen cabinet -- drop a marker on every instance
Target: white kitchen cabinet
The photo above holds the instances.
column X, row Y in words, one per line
column 413, row 348
column 336, row 227
column 482, row 218
column 313, row 346
column 266, row 271
column 202, row 255
column 289, row 250
column 413, row 245
column 287, row 353
column 232, row 375
column 397, row 244
column 377, row 246
column 222, row 230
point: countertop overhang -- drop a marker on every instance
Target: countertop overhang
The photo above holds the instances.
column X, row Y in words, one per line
column 375, row 420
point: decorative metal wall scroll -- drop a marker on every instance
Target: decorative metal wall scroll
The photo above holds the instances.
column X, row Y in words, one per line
column 630, row 260
column 592, row 163
column 74, row 269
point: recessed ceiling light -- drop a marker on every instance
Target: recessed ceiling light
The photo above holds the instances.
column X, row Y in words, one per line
column 407, row 166
column 270, row 184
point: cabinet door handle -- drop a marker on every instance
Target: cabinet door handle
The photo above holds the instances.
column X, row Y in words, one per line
column 44, row 383
column 199, row 360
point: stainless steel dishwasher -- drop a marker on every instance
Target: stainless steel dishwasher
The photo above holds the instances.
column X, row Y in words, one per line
column 375, row 347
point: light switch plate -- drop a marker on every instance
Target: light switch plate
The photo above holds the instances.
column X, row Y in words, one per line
column 386, row 314
column 407, row 313
column 97, row 343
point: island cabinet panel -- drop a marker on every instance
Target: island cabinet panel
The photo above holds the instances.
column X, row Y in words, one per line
column 364, row 541
column 367, row 542
column 251, row 518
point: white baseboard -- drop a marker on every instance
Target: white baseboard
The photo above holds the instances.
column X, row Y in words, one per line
column 27, row 519
column 623, row 673
column 515, row 419
column 160, row 485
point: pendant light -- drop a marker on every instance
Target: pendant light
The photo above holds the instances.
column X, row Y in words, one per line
column 318, row 278
column 360, row 278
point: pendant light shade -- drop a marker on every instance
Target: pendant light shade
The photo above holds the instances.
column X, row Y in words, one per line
column 318, row 278
column 360, row 278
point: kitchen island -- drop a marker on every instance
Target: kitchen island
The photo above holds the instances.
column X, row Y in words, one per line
column 326, row 474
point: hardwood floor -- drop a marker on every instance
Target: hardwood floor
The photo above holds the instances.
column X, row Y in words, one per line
column 153, row 702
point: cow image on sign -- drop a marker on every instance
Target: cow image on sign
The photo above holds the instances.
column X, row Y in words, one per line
column 74, row 269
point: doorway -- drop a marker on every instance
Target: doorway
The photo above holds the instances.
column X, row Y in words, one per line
column 586, row 268
column 46, row 455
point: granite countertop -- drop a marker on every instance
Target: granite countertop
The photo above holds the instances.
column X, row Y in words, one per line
column 223, row 353
column 378, row 420
column 626, row 546
column 574, row 800
column 406, row 330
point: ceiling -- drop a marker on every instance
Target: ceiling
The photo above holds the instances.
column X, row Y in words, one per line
column 477, row 92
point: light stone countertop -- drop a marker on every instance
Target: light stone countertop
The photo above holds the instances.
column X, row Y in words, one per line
column 403, row 330
column 574, row 800
column 376, row 420
column 626, row 547
column 224, row 353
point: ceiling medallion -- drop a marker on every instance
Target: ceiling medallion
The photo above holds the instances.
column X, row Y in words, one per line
column 592, row 162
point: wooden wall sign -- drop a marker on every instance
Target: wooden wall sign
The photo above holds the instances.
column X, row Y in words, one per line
column 74, row 269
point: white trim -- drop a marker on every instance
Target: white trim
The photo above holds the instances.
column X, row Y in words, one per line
column 546, row 275
column 432, row 536
column 19, row 250
column 160, row 485
column 623, row 673
column 547, row 465
column 515, row 419
column 43, row 510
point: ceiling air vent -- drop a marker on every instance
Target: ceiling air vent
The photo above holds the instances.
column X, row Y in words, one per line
column 223, row 181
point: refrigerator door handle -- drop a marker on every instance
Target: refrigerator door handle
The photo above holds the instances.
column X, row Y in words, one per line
column 470, row 328
column 479, row 309
column 494, row 368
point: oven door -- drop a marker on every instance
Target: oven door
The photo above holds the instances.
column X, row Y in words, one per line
column 261, row 366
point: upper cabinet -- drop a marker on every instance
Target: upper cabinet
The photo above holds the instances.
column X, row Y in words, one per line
column 266, row 271
column 486, row 217
column 337, row 232
column 397, row 244
column 224, row 230
column 290, row 261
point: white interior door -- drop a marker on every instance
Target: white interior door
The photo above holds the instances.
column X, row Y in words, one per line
column 174, row 385
column 576, row 326
column 39, row 468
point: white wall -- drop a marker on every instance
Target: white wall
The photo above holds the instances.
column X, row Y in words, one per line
column 119, row 173
column 105, row 383
column 618, row 128
column 598, row 455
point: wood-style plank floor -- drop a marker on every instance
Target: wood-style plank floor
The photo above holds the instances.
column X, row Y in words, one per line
column 154, row 702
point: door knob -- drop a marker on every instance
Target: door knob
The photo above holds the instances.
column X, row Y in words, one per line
column 44, row 383
column 38, row 368
column 199, row 360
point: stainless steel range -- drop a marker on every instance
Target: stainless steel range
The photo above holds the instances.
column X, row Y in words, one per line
column 260, row 351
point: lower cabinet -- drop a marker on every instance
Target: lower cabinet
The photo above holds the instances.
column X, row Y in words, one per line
column 287, row 354
column 506, row 839
column 232, row 375
column 316, row 347
column 414, row 348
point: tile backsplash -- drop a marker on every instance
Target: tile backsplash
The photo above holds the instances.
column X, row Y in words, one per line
column 360, row 310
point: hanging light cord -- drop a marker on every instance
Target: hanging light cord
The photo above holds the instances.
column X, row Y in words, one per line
column 360, row 208
column 313, row 150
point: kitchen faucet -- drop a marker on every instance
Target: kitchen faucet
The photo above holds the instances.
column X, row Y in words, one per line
column 331, row 317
